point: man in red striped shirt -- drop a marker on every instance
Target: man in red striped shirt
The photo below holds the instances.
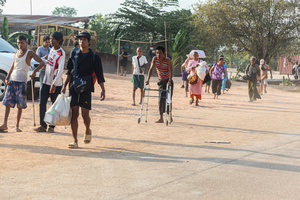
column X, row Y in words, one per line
column 164, row 70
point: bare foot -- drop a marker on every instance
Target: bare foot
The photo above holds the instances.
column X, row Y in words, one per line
column 160, row 121
column 197, row 104
column 133, row 104
column 191, row 101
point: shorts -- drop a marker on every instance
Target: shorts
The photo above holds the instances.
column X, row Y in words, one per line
column 208, row 83
column 83, row 100
column 15, row 94
column 264, row 81
column 138, row 81
column 184, row 75
column 123, row 63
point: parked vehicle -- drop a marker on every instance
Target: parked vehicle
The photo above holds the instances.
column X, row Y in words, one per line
column 7, row 52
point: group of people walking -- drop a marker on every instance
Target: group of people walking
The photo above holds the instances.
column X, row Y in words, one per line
column 83, row 62
column 81, row 65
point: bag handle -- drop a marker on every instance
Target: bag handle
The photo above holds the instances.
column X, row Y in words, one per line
column 75, row 62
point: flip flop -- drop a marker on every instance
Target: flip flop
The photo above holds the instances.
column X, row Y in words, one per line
column 3, row 131
column 73, row 145
column 18, row 130
column 87, row 138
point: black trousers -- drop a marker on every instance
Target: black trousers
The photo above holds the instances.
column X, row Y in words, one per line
column 216, row 86
column 163, row 95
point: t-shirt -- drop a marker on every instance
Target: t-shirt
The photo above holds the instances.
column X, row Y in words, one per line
column 264, row 71
column 217, row 74
column 135, row 64
column 124, row 58
column 55, row 67
column 42, row 51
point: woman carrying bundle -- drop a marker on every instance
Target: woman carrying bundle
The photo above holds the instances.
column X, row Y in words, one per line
column 195, row 83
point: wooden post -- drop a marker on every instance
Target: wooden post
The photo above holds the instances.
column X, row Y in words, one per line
column 118, row 64
column 166, row 43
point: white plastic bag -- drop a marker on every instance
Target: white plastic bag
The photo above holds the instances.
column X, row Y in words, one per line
column 201, row 70
column 59, row 114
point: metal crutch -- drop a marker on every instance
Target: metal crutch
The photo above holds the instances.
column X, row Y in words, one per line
column 32, row 96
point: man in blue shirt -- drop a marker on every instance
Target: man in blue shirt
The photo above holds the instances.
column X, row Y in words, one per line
column 43, row 52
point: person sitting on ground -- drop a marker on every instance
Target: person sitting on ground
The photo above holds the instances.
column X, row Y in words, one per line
column 87, row 63
column 264, row 68
column 165, row 73
column 53, row 81
column 139, row 65
column 16, row 81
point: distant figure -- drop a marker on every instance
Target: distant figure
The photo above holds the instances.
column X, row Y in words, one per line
column 225, row 77
column 216, row 82
column 207, row 85
column 43, row 52
column 264, row 68
column 16, row 79
column 151, row 53
column 251, row 73
column 185, row 75
column 123, row 61
column 139, row 64
column 76, row 47
column 195, row 88
column 164, row 70
column 296, row 70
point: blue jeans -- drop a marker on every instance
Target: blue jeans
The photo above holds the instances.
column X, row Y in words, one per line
column 44, row 99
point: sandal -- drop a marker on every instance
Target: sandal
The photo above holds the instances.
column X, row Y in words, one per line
column 40, row 129
column 18, row 130
column 87, row 138
column 73, row 145
column 51, row 130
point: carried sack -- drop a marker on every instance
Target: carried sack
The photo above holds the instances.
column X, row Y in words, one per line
column 142, row 68
column 59, row 114
column 80, row 84
column 193, row 80
column 293, row 71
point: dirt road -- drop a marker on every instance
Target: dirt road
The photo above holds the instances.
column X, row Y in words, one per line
column 127, row 160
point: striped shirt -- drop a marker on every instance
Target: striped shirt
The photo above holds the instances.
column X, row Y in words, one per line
column 162, row 70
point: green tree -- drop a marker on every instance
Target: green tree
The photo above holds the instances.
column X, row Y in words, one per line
column 5, row 29
column 260, row 27
column 64, row 11
column 179, row 46
column 107, row 33
column 144, row 22
column 2, row 2
column 165, row 3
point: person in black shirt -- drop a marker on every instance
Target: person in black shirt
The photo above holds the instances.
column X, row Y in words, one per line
column 87, row 63
column 123, row 61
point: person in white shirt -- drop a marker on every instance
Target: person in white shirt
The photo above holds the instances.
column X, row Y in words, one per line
column 52, row 83
column 139, row 64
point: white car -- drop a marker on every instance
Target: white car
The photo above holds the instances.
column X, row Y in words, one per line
column 7, row 52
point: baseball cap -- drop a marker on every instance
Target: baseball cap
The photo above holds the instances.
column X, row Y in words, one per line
column 296, row 61
column 262, row 61
column 84, row 34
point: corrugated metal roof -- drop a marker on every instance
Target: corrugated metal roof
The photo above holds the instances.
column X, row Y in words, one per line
column 28, row 22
